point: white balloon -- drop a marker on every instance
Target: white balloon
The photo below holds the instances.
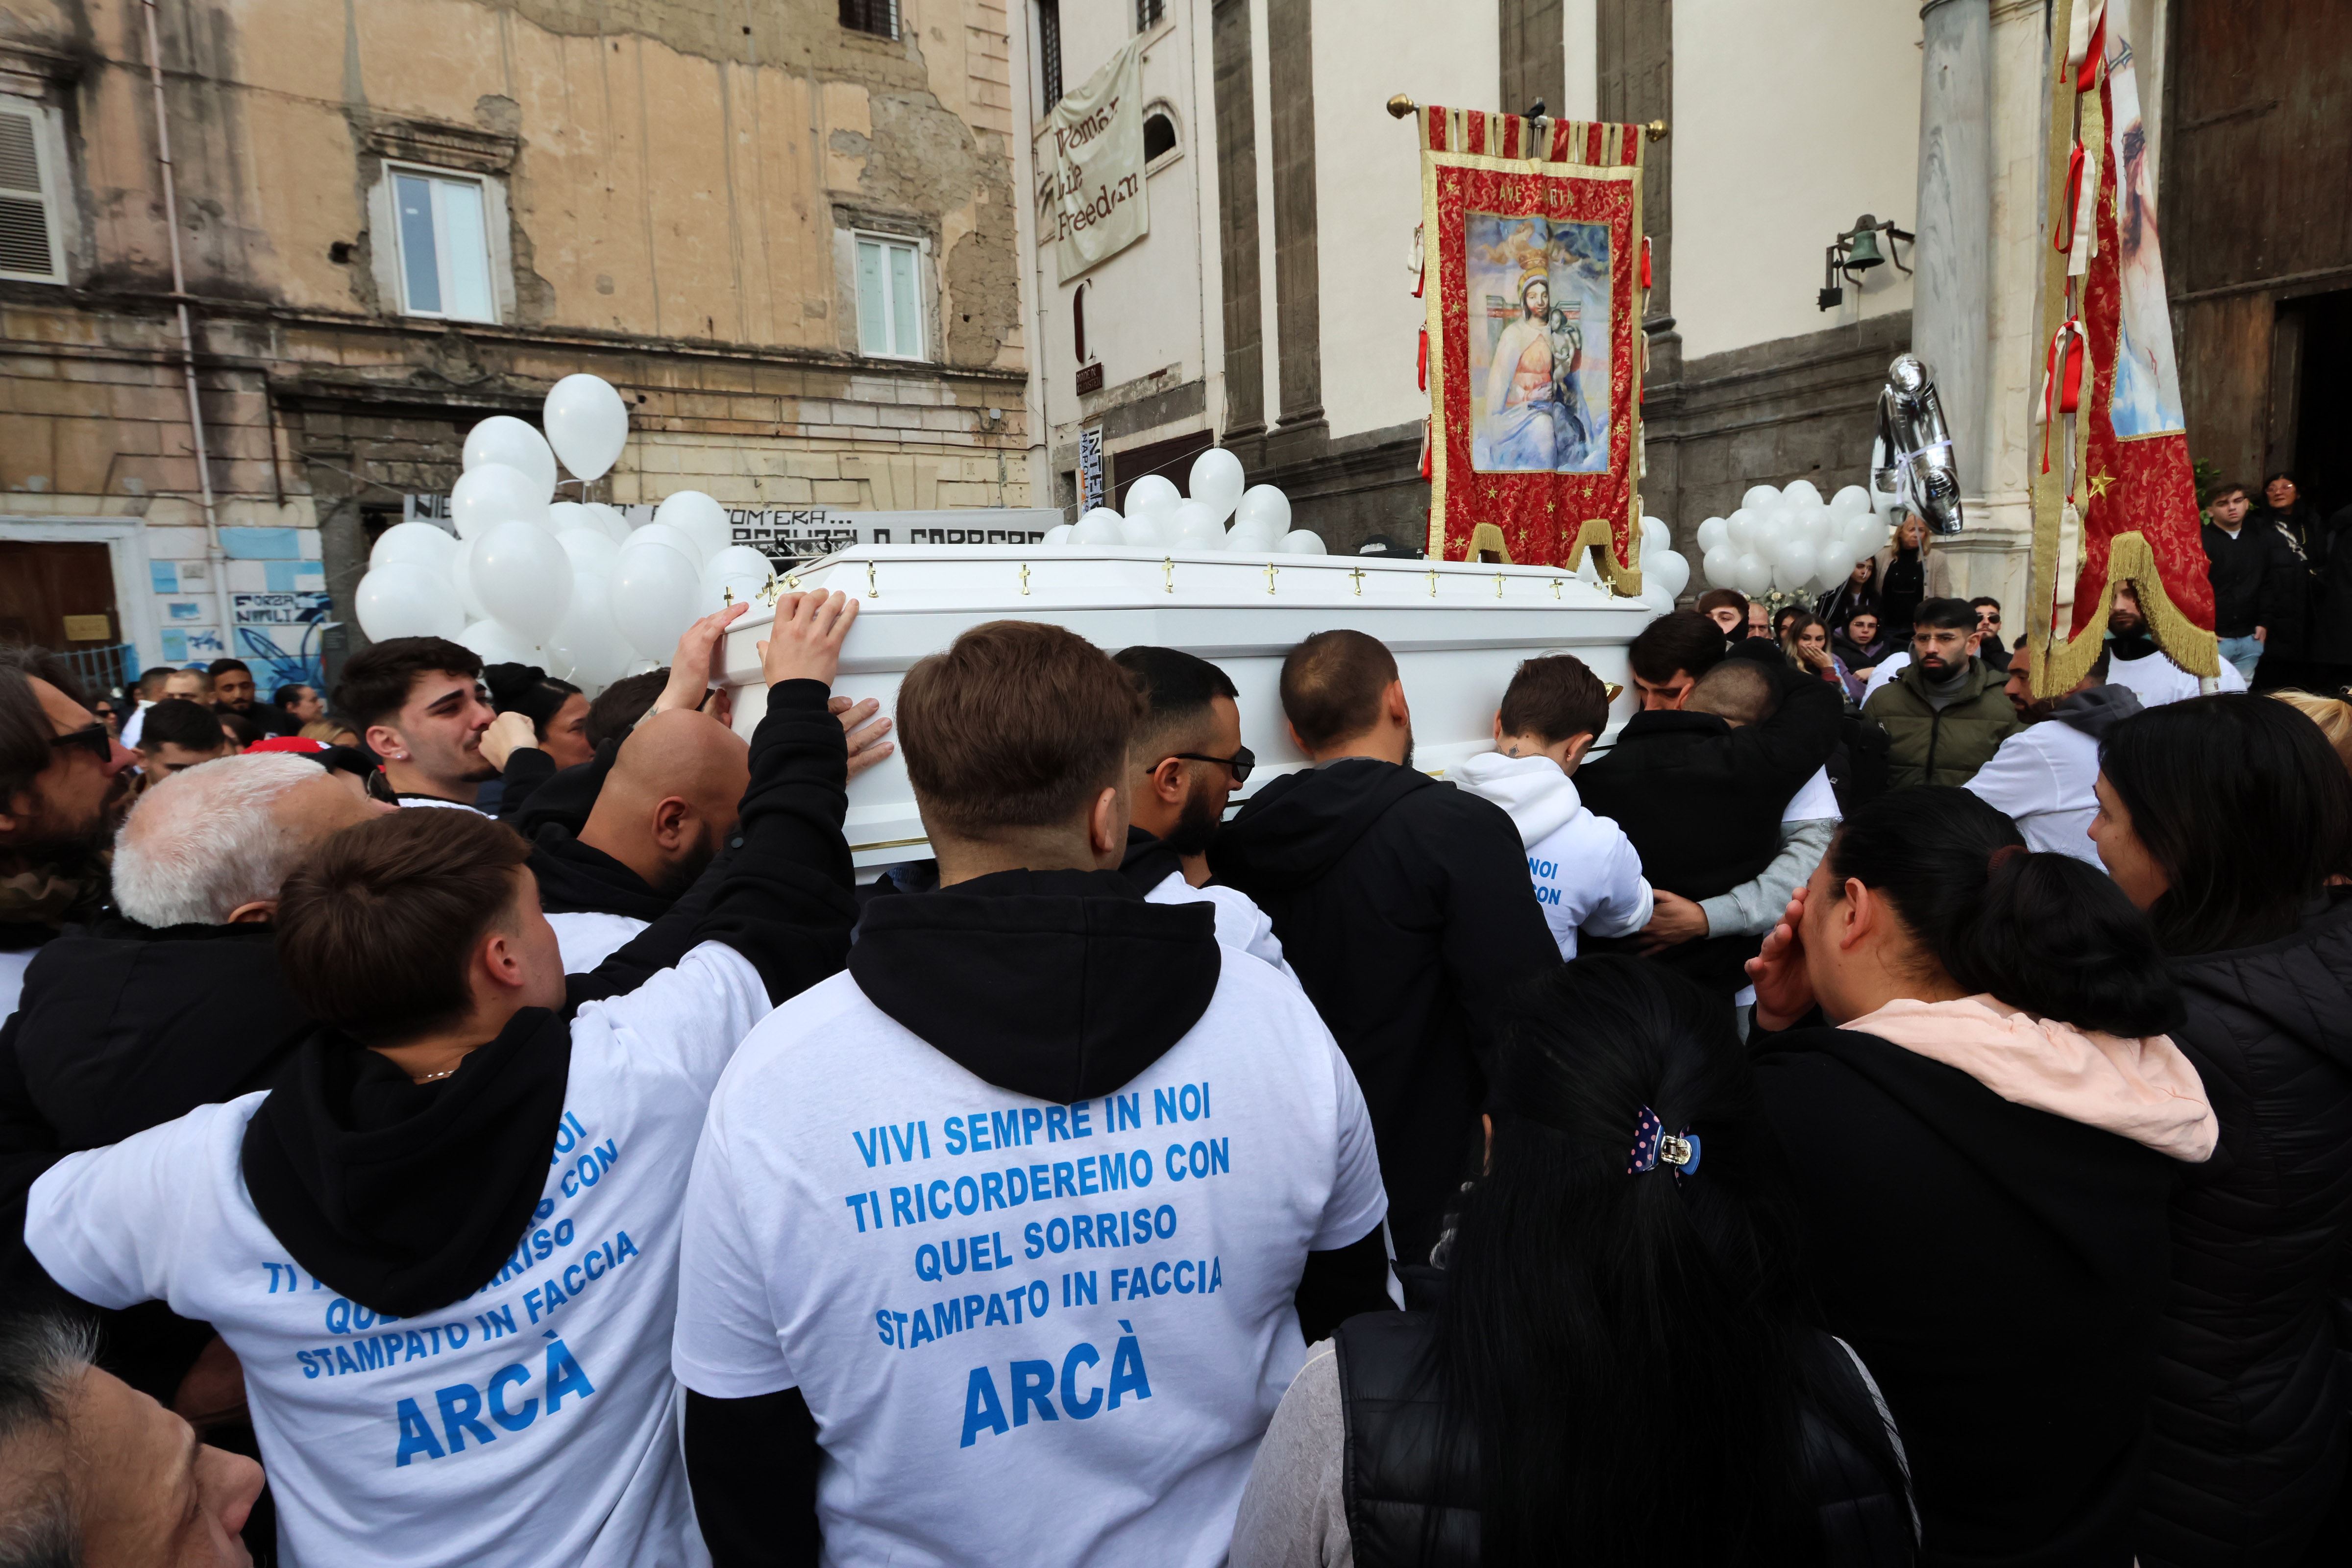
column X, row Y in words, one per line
column 1264, row 501
column 523, row 578
column 1668, row 567
column 700, row 519
column 1804, row 491
column 1722, row 567
column 500, row 644
column 1147, row 532
column 1760, row 498
column 587, row 648
column 1153, row 495
column 662, row 536
column 1753, row 576
column 1216, row 479
column 402, row 599
column 1835, row 564
column 461, row 581
column 493, row 493
column 1100, row 527
column 1869, row 536
column 587, row 424
column 502, row 438
column 1850, row 501
column 1740, row 529
column 562, row 516
column 651, row 596
column 1301, row 542
column 609, row 519
column 1655, row 535
column 1196, row 527
column 1256, row 538
column 1711, row 534
column 414, row 545
column 589, row 551
column 1057, row 535
column 737, row 569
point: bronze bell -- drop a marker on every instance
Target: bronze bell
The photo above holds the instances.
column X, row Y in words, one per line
column 1862, row 253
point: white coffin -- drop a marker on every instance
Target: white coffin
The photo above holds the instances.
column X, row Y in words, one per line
column 1458, row 631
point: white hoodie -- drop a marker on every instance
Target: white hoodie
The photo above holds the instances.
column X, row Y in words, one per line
column 1587, row 875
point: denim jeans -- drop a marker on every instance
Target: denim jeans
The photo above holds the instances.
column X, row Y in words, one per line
column 2244, row 652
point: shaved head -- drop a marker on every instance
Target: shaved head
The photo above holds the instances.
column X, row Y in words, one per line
column 672, row 798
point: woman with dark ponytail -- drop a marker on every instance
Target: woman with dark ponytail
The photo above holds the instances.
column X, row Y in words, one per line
column 1614, row 1364
column 2229, row 819
column 1964, row 1055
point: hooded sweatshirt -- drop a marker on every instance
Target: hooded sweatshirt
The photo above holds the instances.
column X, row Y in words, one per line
column 1018, row 1206
column 1405, row 906
column 451, row 1299
column 1158, row 873
column 2042, row 776
column 1587, row 873
column 2000, row 1268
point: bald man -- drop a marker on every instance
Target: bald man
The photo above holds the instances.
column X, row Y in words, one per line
column 663, row 813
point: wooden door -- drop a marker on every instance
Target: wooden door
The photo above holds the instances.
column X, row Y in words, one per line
column 57, row 595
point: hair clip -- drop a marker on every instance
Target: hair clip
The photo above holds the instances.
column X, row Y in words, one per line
column 1652, row 1144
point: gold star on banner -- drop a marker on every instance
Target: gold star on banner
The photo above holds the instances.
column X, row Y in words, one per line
column 2099, row 483
column 1492, row 491
column 1551, row 506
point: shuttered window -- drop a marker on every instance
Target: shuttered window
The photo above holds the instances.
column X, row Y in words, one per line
column 879, row 17
column 31, row 248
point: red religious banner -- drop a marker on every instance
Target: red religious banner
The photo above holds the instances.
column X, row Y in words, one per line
column 1531, row 237
column 2114, row 499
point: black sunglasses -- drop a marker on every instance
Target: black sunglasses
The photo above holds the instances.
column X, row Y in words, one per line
column 91, row 738
column 1240, row 762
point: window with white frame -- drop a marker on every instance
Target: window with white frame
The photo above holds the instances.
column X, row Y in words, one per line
column 31, row 241
column 441, row 225
column 889, row 299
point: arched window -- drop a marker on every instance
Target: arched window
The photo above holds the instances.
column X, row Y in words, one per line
column 1159, row 136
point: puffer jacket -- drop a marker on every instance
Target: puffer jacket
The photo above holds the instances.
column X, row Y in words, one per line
column 2249, row 1444
column 1929, row 745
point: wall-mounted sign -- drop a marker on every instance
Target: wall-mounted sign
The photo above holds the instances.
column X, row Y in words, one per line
column 1090, row 468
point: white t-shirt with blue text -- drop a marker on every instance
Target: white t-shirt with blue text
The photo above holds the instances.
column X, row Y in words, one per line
column 1028, row 1332
column 533, row 1422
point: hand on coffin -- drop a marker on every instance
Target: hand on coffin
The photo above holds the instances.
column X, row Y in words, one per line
column 1784, row 991
column 864, row 732
column 1672, row 920
column 696, row 666
column 805, row 641
column 508, row 733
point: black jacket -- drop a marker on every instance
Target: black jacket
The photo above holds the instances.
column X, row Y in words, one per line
column 1393, row 1478
column 2327, row 639
column 2241, row 569
column 575, row 878
column 2251, row 1385
column 2298, row 536
column 1405, row 907
column 1702, row 801
column 2001, row 1272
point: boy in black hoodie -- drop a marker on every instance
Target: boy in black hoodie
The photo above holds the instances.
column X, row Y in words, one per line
column 445, row 1250
column 1402, row 903
column 1027, row 1212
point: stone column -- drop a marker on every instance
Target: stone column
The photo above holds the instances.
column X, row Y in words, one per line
column 1950, row 319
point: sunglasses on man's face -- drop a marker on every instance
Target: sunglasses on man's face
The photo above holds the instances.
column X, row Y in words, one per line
column 1240, row 762
column 91, row 738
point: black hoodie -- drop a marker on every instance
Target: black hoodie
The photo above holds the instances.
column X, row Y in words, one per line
column 2001, row 1272
column 1405, row 906
column 406, row 1196
column 575, row 878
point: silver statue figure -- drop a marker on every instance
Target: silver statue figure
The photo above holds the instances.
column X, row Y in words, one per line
column 1915, row 447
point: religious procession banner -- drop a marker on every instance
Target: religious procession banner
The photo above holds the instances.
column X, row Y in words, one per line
column 1531, row 235
column 1090, row 196
column 2115, row 498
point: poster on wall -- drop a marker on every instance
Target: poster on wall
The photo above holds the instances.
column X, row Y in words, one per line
column 1532, row 235
column 1090, row 468
column 1090, row 194
column 278, row 637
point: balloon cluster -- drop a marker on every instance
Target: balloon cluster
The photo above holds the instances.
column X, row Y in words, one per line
column 1160, row 518
column 1665, row 571
column 1790, row 539
column 567, row 585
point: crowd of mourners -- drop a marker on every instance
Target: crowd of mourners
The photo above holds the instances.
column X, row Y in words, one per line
column 1864, row 1112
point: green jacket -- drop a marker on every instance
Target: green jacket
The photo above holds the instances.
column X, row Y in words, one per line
column 1947, row 747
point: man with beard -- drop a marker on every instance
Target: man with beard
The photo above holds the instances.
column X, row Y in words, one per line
column 2042, row 776
column 1943, row 715
column 2135, row 661
column 420, row 707
column 64, row 785
column 1405, row 906
column 233, row 692
column 1186, row 762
